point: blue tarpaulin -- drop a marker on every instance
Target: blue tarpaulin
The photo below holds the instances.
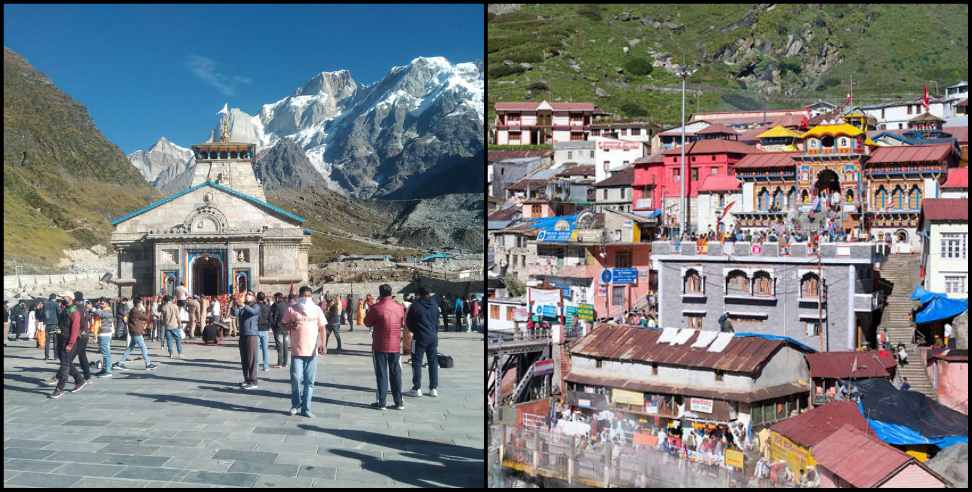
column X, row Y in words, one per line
column 437, row 256
column 555, row 229
column 798, row 344
column 903, row 436
column 936, row 306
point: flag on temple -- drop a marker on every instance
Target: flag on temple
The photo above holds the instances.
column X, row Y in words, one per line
column 925, row 100
column 850, row 99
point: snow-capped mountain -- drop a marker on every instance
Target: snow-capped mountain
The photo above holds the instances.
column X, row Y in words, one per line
column 421, row 119
column 162, row 161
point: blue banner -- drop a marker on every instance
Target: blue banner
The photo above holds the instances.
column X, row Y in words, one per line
column 624, row 276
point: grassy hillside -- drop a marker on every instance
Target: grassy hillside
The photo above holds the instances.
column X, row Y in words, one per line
column 749, row 56
column 62, row 180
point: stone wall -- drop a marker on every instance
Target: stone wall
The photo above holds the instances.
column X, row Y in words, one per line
column 17, row 282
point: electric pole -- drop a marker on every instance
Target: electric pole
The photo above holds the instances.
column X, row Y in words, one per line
column 683, row 216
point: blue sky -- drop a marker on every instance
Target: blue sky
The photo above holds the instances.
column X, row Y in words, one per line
column 144, row 71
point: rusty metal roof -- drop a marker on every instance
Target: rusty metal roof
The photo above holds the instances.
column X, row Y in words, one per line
column 744, row 355
column 858, row 458
column 911, row 153
column 815, row 425
column 840, row 364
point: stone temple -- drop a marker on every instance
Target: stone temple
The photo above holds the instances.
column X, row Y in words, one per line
column 219, row 235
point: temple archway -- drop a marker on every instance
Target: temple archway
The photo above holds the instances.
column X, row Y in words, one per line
column 827, row 181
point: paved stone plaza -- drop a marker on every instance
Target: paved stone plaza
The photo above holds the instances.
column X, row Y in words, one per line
column 187, row 424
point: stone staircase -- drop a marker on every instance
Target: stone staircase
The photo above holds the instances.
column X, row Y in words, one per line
column 902, row 271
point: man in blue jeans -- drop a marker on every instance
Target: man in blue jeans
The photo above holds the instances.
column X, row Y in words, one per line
column 458, row 311
column 421, row 321
column 305, row 322
column 263, row 329
column 103, row 311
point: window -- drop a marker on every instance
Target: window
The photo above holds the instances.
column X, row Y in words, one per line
column 693, row 283
column 570, row 155
column 617, row 295
column 622, row 259
column 675, row 173
column 535, row 210
column 881, row 198
column 897, row 197
column 695, row 174
column 695, row 321
column 597, row 363
column 623, row 192
column 909, row 109
column 719, row 375
column 762, row 284
column 812, row 328
column 955, row 284
column 509, row 312
column 592, row 154
column 827, row 141
column 722, row 200
column 778, row 198
column 713, row 171
column 494, row 312
column 737, row 283
column 850, row 196
column 914, row 198
column 791, row 196
column 954, row 245
column 805, row 197
column 810, row 286
column 762, row 202
column 605, row 194
column 654, row 368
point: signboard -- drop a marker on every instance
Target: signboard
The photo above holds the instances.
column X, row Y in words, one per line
column 700, row 405
column 618, row 144
column 545, row 311
column 734, row 458
column 584, row 403
column 645, row 439
column 757, row 249
column 606, row 276
column 628, row 397
column 543, row 367
column 624, row 276
column 586, row 312
column 559, row 232
column 570, row 316
column 796, row 457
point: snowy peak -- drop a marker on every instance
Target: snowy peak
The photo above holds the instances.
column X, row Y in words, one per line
column 339, row 84
column 162, row 158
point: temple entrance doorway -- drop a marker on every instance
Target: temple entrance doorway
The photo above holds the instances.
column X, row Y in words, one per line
column 206, row 274
column 827, row 181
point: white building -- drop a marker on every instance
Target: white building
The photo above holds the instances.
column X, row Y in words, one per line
column 954, row 94
column 504, row 313
column 956, row 184
column 531, row 123
column 611, row 156
column 895, row 115
column 577, row 152
column 629, row 131
column 945, row 256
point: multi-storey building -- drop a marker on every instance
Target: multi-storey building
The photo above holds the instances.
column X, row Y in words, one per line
column 629, row 131
column 614, row 193
column 532, row 123
column 945, row 255
column 895, row 115
column 829, row 302
column 657, row 185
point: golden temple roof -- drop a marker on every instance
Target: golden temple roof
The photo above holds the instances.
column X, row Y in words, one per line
column 842, row 129
column 779, row 131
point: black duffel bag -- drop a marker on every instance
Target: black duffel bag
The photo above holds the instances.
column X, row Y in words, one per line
column 444, row 360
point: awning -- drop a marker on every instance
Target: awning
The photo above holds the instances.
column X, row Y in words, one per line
column 936, row 306
column 651, row 214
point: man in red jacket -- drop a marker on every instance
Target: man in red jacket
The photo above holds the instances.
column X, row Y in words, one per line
column 386, row 318
column 70, row 329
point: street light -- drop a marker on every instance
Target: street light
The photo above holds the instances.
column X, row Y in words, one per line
column 683, row 73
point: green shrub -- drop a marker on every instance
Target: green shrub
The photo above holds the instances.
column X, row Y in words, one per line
column 633, row 109
column 503, row 70
column 538, row 86
column 500, row 43
column 524, row 54
column 638, row 66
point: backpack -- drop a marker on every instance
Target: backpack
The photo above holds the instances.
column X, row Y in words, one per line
column 445, row 361
column 263, row 323
column 85, row 324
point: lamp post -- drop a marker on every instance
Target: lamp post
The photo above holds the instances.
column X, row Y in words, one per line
column 683, row 73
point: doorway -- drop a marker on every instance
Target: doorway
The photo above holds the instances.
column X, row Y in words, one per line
column 206, row 274
column 827, row 181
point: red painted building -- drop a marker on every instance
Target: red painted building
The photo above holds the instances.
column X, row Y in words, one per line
column 704, row 158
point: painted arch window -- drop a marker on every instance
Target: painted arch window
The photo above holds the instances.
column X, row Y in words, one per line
column 810, row 286
column 850, row 196
column 898, row 198
column 763, row 284
column 914, row 198
column 791, row 196
column 778, row 198
column 881, row 198
column 737, row 283
column 763, row 199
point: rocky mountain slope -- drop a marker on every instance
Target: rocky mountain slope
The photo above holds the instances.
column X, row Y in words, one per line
column 624, row 57
column 387, row 138
column 62, row 180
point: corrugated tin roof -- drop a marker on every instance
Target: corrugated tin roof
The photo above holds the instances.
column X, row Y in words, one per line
column 623, row 177
column 745, row 355
column 767, row 159
column 944, row 209
column 578, row 170
column 958, row 178
column 910, row 153
column 719, row 183
column 840, row 365
column 815, row 425
column 858, row 458
column 716, row 128
column 651, row 159
column 713, row 146
column 961, row 133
